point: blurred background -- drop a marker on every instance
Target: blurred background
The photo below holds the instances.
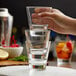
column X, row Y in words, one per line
column 17, row 8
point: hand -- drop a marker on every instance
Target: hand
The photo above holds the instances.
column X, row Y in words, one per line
column 56, row 20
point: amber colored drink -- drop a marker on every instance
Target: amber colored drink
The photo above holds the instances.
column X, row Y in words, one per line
column 64, row 49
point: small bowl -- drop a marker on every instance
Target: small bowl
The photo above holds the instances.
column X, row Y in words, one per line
column 13, row 51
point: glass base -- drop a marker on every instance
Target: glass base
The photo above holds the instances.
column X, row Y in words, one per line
column 37, row 67
column 63, row 61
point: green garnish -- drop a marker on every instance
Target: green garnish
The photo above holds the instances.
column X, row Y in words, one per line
column 19, row 58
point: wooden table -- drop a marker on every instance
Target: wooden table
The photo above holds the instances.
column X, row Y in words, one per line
column 12, row 63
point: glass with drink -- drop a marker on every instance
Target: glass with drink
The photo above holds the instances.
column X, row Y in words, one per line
column 64, row 49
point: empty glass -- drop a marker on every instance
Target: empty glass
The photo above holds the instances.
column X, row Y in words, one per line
column 37, row 44
column 30, row 10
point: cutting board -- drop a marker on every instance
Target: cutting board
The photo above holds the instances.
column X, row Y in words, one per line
column 12, row 63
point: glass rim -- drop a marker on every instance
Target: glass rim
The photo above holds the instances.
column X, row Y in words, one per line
column 39, row 25
column 33, row 31
column 38, row 6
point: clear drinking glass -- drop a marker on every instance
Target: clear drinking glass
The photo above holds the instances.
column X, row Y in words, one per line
column 64, row 49
column 37, row 44
column 30, row 10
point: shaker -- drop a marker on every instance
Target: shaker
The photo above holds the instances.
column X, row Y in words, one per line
column 6, row 21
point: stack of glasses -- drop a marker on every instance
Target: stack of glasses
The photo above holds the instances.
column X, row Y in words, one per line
column 37, row 44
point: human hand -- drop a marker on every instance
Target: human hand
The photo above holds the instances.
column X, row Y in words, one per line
column 56, row 20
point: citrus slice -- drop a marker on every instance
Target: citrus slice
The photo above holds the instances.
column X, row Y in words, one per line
column 3, row 54
column 61, row 44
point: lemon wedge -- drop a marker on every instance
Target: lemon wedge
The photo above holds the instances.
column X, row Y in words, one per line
column 3, row 54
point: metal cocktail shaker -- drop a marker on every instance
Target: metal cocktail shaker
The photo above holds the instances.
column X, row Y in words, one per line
column 6, row 21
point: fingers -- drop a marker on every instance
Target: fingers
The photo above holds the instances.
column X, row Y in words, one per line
column 44, row 14
column 34, row 15
column 47, row 14
column 39, row 21
column 43, row 9
column 44, row 20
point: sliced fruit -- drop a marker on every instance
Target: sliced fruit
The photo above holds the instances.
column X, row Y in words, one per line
column 70, row 51
column 3, row 54
column 65, row 49
column 61, row 44
column 69, row 45
column 58, row 49
column 65, row 55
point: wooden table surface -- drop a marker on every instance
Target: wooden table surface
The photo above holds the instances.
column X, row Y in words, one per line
column 12, row 63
